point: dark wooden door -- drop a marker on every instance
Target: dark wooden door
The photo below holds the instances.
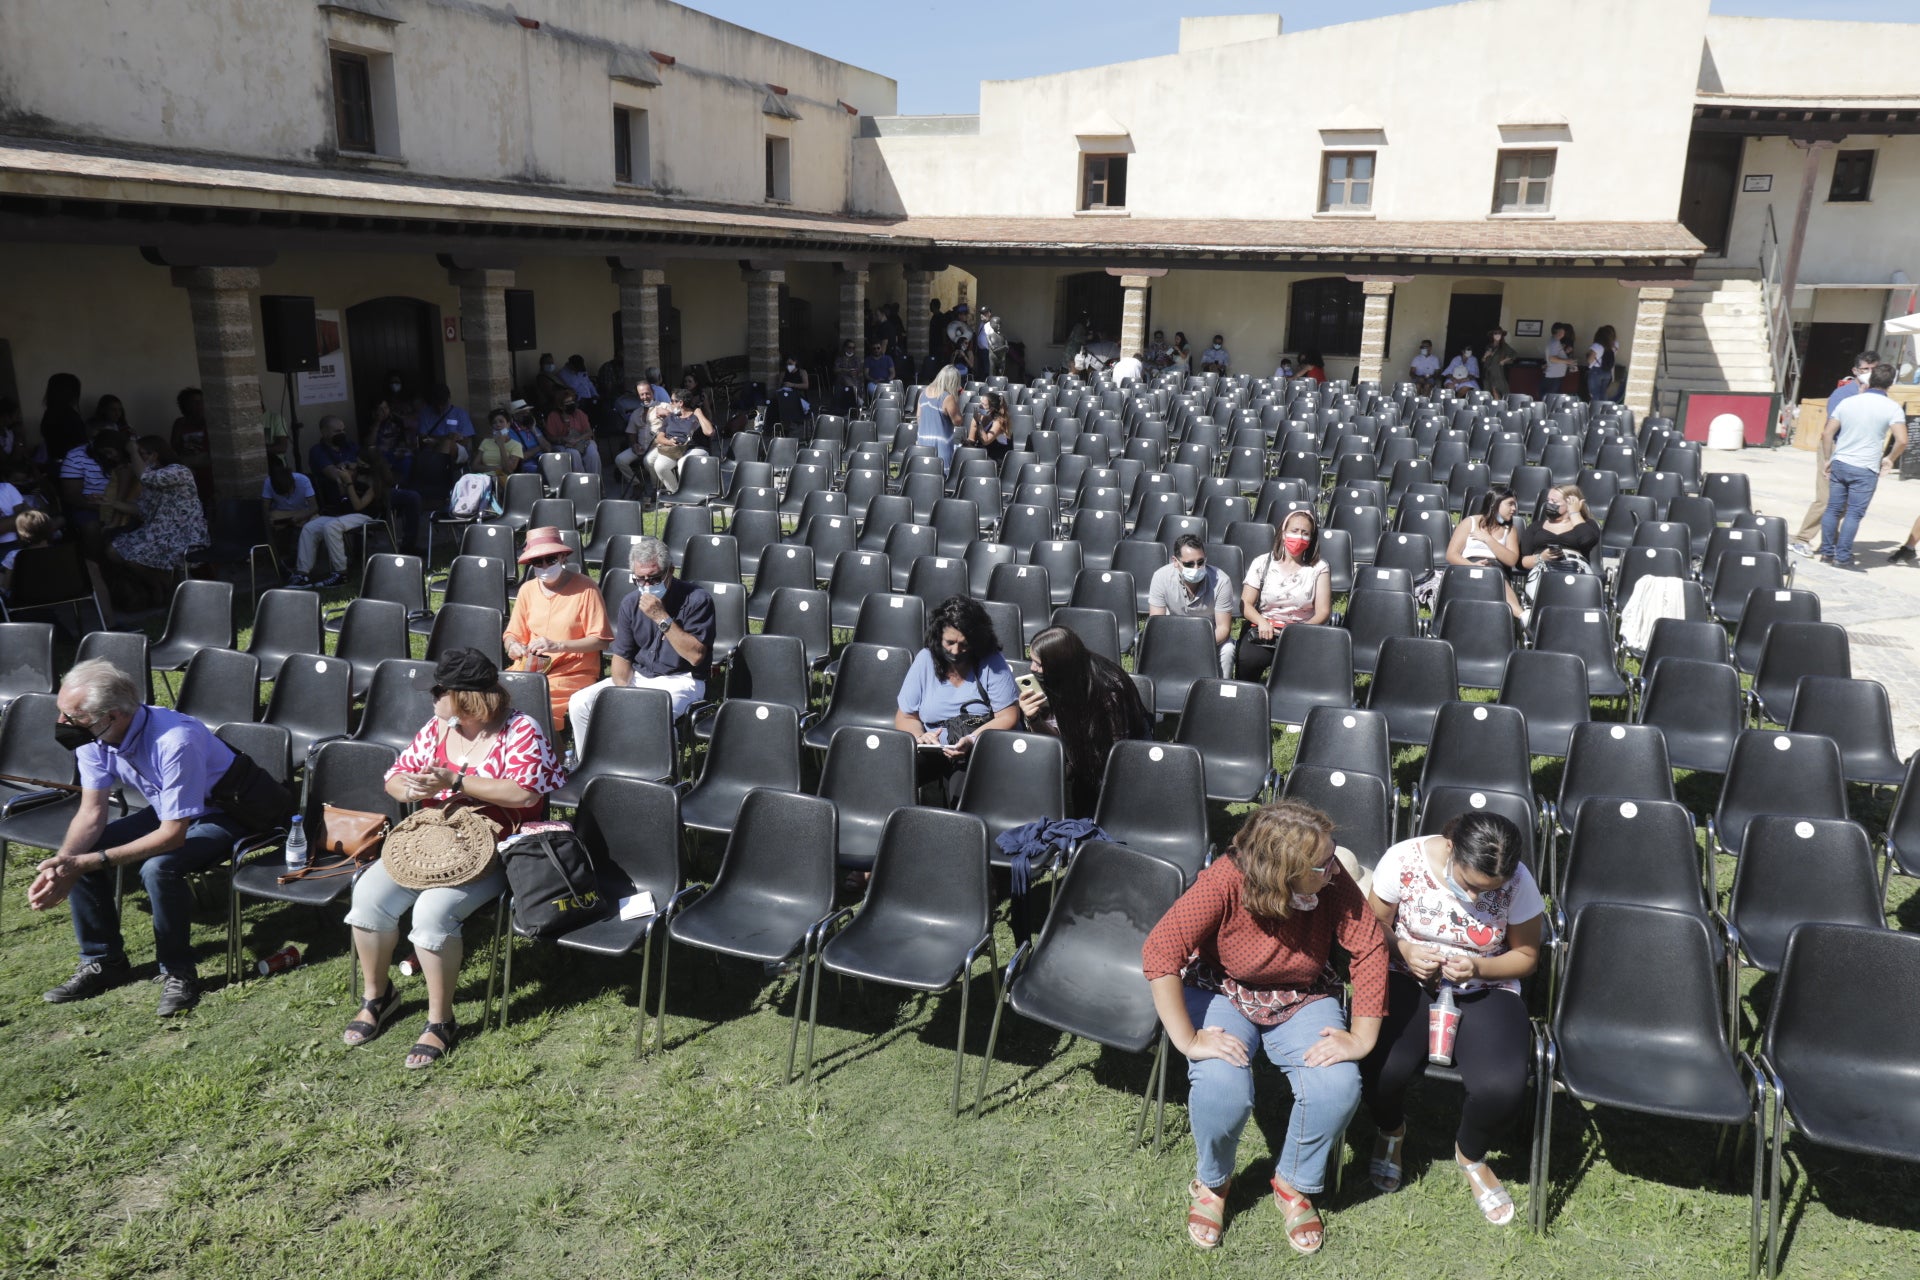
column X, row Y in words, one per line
column 402, row 335
column 1469, row 317
column 1707, row 190
column 1828, row 357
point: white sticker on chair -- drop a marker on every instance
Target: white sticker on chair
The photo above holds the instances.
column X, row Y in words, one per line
column 760, row 713
column 1293, row 729
column 1019, row 747
column 1155, row 754
column 399, row 562
column 1228, row 691
column 1650, row 551
column 1783, row 596
column 1628, row 809
column 1593, row 615
column 1746, row 561
column 1402, row 539
column 1783, row 743
column 1618, row 732
column 1475, row 573
column 1804, row 830
column 873, row 741
column 1337, row 778
column 1478, row 799
column 803, row 605
column 320, row 664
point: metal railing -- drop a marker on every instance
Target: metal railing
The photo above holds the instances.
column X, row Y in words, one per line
column 1778, row 303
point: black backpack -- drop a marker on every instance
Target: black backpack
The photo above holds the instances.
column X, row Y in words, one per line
column 551, row 876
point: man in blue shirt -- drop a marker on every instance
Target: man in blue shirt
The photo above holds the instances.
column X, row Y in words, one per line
column 1856, row 436
column 331, row 459
column 173, row 761
column 662, row 638
column 445, row 426
column 1808, row 535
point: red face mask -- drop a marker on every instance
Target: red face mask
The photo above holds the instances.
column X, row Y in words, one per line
column 1296, row 544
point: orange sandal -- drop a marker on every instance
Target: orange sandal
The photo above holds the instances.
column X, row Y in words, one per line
column 1206, row 1212
column 1300, row 1212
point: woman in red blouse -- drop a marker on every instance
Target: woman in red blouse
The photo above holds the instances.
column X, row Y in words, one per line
column 1242, row 956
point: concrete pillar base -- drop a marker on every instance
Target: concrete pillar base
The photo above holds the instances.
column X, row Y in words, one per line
column 1373, row 329
column 483, row 327
column 1133, row 314
column 914, row 313
column 853, row 309
column 763, row 326
column 1643, row 360
column 639, row 320
column 226, row 350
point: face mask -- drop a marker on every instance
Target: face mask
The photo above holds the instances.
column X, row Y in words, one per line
column 1862, row 378
column 1193, row 573
column 547, row 367
column 1466, row 899
column 338, row 442
column 1296, row 544
column 394, row 387
column 72, row 736
column 1426, row 351
column 1305, row 901
column 791, row 367
column 1503, row 520
column 1555, row 511
column 503, row 432
column 550, row 573
column 655, row 589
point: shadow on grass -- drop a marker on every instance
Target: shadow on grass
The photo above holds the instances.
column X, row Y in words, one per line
column 1853, row 1188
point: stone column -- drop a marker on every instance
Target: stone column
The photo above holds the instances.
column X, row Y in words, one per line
column 227, row 352
column 1373, row 328
column 483, row 326
column 914, row 312
column 1643, row 362
column 639, row 320
column 1133, row 314
column 853, row 308
column 763, row 326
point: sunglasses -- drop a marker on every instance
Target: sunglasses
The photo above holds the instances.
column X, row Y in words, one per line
column 1201, row 563
column 544, row 561
column 652, row 579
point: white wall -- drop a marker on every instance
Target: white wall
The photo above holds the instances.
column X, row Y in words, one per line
column 1849, row 242
column 1784, row 57
column 1235, row 131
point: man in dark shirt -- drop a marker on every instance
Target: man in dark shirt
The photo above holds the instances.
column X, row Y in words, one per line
column 662, row 638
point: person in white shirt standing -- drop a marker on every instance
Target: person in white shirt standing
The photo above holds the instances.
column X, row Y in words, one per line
column 1856, row 434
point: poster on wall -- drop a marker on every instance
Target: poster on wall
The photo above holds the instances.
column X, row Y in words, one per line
column 327, row 384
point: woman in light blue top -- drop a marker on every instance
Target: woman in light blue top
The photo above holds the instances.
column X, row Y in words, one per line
column 940, row 413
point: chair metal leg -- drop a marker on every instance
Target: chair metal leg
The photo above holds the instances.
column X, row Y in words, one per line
column 4, row 847
column 493, row 960
column 1773, row 1184
column 960, row 1041
column 660, row 1011
column 799, row 999
column 813, row 1018
column 640, row 1001
column 993, row 1038
column 506, row 981
column 1756, row 1195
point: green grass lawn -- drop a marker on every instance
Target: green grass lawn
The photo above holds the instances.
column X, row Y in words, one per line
column 244, row 1140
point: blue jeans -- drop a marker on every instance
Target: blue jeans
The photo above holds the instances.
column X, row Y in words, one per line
column 1849, row 490
column 96, row 907
column 1220, row 1098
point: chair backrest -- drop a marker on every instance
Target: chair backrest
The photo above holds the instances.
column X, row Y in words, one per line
column 1478, row 745
column 1357, row 801
column 200, row 616
column 1795, row 774
column 467, row 626
column 399, row 703
column 267, row 745
column 26, row 658
column 1638, row 851
column 126, row 650
column 1348, row 738
column 1844, row 1018
column 1153, row 798
column 398, row 578
column 1681, row 638
column 1764, row 608
column 479, row 580
column 312, row 695
column 1312, row 668
column 1637, row 976
column 1015, row 778
column 527, row 693
column 1087, row 956
column 755, row 744
column 868, row 773
column 1482, row 635
column 631, row 733
column 220, row 685
column 371, row 631
column 1176, row 651
column 350, row 775
column 932, row 870
column 633, row 827
column 781, row 851
column 1793, row 650
column 1412, row 679
column 1796, row 871
column 286, row 622
column 1858, row 716
column 1549, row 690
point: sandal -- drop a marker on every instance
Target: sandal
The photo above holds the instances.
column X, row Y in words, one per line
column 380, row 1010
column 1496, row 1205
column 1300, row 1212
column 1206, row 1215
column 1384, row 1168
column 447, row 1031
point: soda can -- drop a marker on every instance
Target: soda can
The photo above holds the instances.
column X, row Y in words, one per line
column 410, row 965
column 280, row 961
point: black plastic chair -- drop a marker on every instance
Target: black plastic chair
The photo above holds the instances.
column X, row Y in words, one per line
column 786, row 565
column 1482, row 635
column 51, row 576
column 477, row 580
column 1859, row 719
column 1793, row 650
column 1082, row 974
column 1013, row 779
column 1312, row 668
column 1175, row 651
column 286, row 622
column 771, row 900
column 126, row 650
column 1646, row 562
column 1764, row 608
column 1063, row 561
column 1772, row 773
column 1619, row 761
column 1153, row 799
column 1469, row 582
column 311, row 700
column 398, row 579
column 1840, row 1047
column 613, row 518
column 399, row 704
column 1479, row 746
column 1347, row 738
column 1227, row 721
column 926, row 919
column 1372, row 618
column 866, row 692
column 528, row 693
column 1901, row 841
column 868, row 773
column 1680, row 638
column 1097, row 629
column 631, row 830
column 1738, row 576
column 371, row 632
column 467, row 626
column 1414, row 679
column 267, row 745
column 26, row 660
column 1112, row 590
column 699, row 482
column 1360, row 804
column 857, row 575
column 30, row 814
column 351, row 775
column 1698, row 707
column 630, row 735
column 1442, row 805
column 1550, row 692
column 803, row 613
column 766, row 667
column 1637, row 1027
column 200, row 616
column 1586, row 634
column 221, row 685
column 729, row 618
column 756, row 745
column 711, row 557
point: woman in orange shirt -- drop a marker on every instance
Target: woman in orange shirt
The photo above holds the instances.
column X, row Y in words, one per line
column 559, row 622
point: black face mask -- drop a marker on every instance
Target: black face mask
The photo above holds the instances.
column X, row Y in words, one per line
column 1555, row 511
column 338, row 442
column 72, row 737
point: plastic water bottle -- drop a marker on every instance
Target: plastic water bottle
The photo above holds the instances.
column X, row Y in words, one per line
column 297, row 844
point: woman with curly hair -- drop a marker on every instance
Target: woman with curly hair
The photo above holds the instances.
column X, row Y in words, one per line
column 958, row 678
column 1088, row 703
column 1240, row 963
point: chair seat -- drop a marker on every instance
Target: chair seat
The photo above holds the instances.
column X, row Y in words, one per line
column 261, row 879
column 714, row 807
column 753, row 928
column 1690, row 1081
column 1878, row 767
column 570, row 795
column 1860, row 1107
column 1236, row 781
column 898, row 952
column 1115, row 1009
column 44, row 827
column 172, row 655
column 609, row 937
column 859, row 840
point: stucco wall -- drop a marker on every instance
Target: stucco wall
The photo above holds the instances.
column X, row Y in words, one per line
column 1235, row 131
column 477, row 95
column 1849, row 242
column 1786, row 57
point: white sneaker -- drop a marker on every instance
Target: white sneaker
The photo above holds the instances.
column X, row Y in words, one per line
column 1801, row 549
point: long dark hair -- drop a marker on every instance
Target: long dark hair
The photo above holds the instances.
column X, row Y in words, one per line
column 1486, row 842
column 1490, row 502
column 962, row 614
column 1094, row 702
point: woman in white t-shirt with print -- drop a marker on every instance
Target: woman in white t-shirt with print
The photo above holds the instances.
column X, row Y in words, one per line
column 1459, row 909
column 1288, row 586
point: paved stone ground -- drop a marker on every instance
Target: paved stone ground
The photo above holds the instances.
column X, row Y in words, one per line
column 1879, row 608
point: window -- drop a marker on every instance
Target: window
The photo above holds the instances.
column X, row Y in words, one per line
column 779, row 174
column 1090, row 295
column 1526, row 182
column 1852, row 177
column 630, row 163
column 1325, row 315
column 1103, row 182
column 1346, row 182
column 352, row 101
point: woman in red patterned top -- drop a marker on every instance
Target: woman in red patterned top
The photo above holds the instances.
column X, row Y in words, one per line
column 1243, row 957
column 477, row 748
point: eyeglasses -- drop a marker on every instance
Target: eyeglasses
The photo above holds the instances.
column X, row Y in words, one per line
column 1201, row 563
column 652, row 579
column 545, row 561
column 78, row 724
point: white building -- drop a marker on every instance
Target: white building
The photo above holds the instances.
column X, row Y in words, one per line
column 676, row 190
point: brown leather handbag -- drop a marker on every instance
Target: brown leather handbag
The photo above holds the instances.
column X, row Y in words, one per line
column 351, row 836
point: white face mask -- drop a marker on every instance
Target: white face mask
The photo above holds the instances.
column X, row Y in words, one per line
column 1193, row 573
column 655, row 589
column 791, row 366
column 550, row 573
column 1863, row 378
column 1305, row 901
column 547, row 367
column 394, row 387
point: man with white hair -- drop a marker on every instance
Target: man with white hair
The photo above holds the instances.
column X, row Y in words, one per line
column 174, row 761
column 662, row 638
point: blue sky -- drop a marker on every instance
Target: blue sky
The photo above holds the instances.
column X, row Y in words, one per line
column 939, row 52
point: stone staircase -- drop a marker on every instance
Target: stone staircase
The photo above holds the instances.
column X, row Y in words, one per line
column 1716, row 338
